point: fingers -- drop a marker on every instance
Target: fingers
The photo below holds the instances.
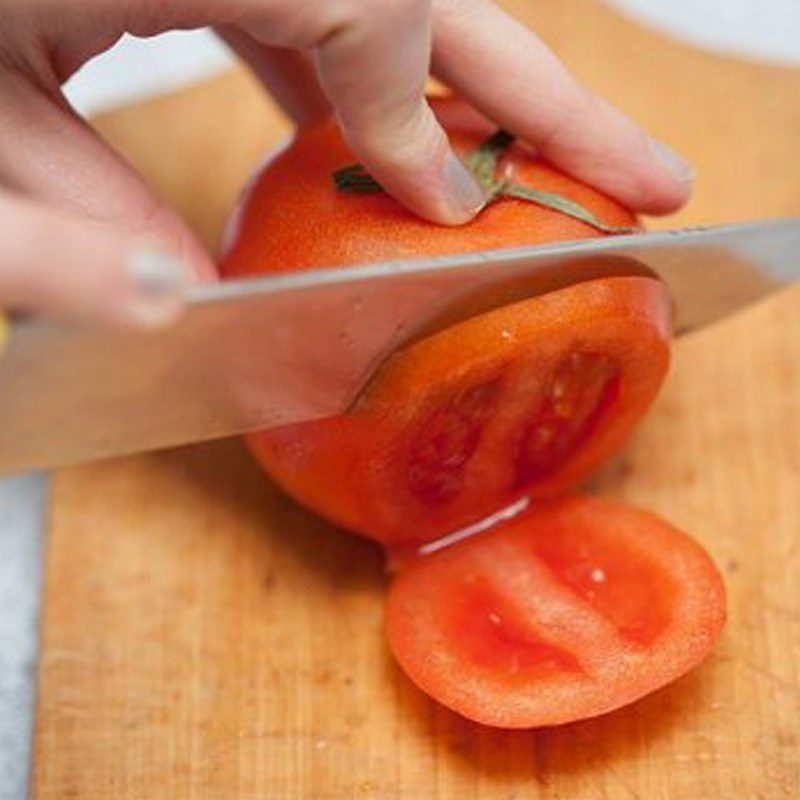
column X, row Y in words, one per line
column 510, row 75
column 373, row 67
column 373, row 62
column 58, row 252
column 55, row 263
column 48, row 153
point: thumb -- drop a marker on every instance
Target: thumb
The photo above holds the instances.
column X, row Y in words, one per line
column 59, row 264
column 48, row 153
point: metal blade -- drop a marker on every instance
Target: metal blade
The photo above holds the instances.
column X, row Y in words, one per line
column 274, row 350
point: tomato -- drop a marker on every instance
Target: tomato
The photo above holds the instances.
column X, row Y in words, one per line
column 526, row 400
column 570, row 610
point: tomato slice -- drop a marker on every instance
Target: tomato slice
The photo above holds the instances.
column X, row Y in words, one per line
column 570, row 610
column 525, row 400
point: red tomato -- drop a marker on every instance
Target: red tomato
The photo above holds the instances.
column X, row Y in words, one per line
column 568, row 611
column 572, row 609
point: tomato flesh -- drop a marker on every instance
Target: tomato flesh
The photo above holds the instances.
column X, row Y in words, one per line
column 580, row 391
column 445, row 441
column 570, row 610
column 612, row 576
column 488, row 630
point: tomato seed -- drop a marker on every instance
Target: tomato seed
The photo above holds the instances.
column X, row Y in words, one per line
column 446, row 440
column 580, row 389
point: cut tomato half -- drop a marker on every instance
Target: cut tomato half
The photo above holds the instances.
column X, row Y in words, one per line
column 568, row 611
column 525, row 400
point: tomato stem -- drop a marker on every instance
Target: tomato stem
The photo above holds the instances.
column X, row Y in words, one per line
column 482, row 163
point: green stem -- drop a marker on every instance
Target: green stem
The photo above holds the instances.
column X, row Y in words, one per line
column 482, row 163
column 563, row 205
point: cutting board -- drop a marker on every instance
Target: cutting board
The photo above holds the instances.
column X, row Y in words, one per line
column 203, row 637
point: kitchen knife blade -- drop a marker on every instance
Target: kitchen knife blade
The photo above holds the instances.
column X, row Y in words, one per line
column 274, row 350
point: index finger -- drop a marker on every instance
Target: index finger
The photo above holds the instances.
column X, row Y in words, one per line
column 373, row 67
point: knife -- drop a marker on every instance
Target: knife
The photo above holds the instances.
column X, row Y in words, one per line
column 256, row 353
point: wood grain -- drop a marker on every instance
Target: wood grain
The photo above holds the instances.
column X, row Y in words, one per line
column 205, row 638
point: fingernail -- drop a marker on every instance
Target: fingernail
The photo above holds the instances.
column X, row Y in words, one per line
column 676, row 165
column 466, row 195
column 159, row 282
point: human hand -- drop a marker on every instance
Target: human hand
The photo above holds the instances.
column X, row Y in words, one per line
column 82, row 234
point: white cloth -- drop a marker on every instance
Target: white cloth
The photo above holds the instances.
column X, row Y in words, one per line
column 768, row 30
column 22, row 503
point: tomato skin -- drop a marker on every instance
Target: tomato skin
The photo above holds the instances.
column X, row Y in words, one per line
column 441, row 436
column 572, row 609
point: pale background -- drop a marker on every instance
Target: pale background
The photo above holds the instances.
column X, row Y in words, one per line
column 764, row 29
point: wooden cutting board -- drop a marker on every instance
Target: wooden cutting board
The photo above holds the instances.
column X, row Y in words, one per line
column 205, row 638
